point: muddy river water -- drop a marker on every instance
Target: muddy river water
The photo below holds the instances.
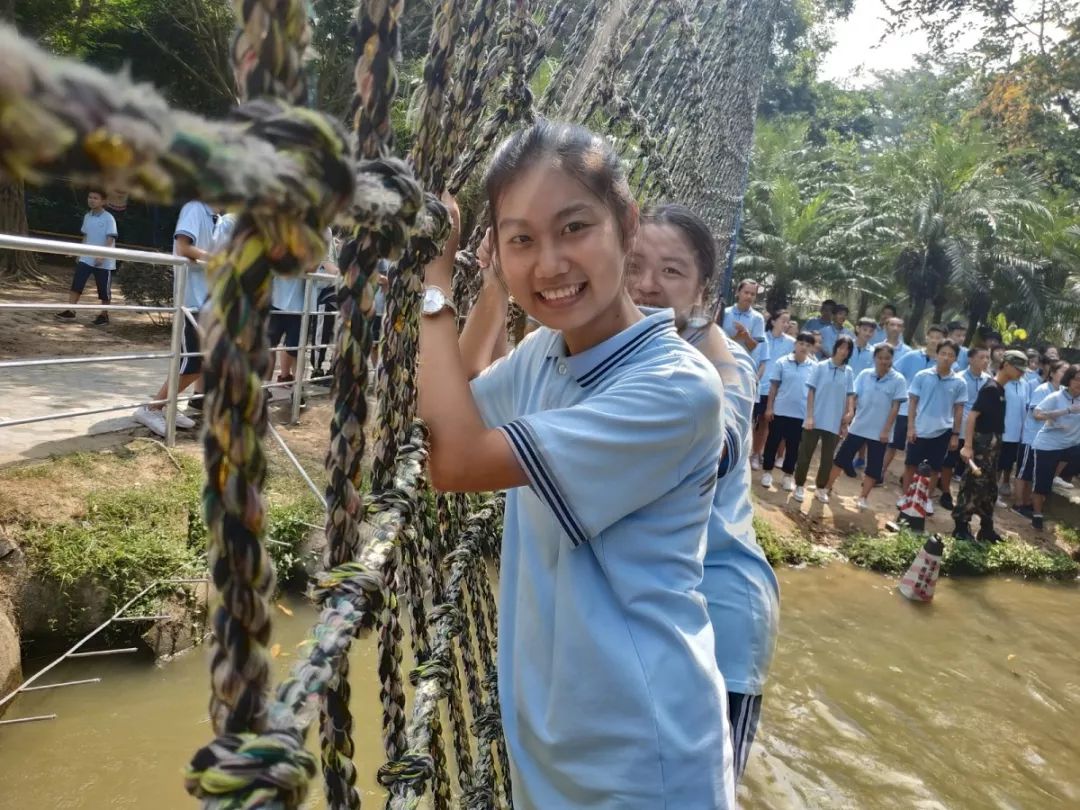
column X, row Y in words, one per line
column 972, row 702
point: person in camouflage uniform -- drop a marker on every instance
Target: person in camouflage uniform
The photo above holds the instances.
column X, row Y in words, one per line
column 982, row 446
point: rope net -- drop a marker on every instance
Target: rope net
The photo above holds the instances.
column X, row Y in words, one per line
column 291, row 172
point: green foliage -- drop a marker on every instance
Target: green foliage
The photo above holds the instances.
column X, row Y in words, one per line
column 893, row 554
column 784, row 550
column 147, row 285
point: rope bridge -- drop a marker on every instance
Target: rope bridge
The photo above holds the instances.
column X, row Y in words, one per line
column 290, row 172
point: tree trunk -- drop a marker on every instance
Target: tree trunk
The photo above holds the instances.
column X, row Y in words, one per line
column 732, row 91
column 864, row 303
column 15, row 264
column 918, row 310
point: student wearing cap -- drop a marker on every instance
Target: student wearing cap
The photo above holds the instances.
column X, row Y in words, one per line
column 982, row 445
column 1033, row 372
column 1017, row 394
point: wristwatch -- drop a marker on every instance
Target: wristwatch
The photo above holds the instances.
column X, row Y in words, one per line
column 435, row 301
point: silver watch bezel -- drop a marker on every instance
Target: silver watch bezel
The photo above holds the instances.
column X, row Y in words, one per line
column 435, row 301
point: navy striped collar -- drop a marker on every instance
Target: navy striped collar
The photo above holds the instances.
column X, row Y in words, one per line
column 593, row 365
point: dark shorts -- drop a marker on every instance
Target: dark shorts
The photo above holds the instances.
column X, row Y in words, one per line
column 287, row 326
column 875, row 455
column 899, row 433
column 932, row 451
column 759, row 407
column 190, row 342
column 952, row 459
column 744, row 713
column 376, row 328
column 1025, row 469
column 1010, row 452
column 102, row 279
column 1046, row 464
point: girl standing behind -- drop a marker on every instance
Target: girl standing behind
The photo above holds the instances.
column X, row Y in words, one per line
column 786, row 409
column 671, row 266
column 605, row 427
column 778, row 343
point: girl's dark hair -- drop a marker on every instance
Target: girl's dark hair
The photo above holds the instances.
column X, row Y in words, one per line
column 1071, row 372
column 694, row 229
column 1053, row 368
column 99, row 190
column 949, row 343
column 585, row 156
column 772, row 319
column 884, row 347
column 844, row 340
column 805, row 337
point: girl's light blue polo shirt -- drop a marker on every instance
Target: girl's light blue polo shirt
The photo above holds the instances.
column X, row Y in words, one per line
column 287, row 293
column 829, row 334
column 1031, row 425
column 1017, row 393
column 753, row 320
column 861, row 359
column 97, row 229
column 739, row 584
column 1033, row 379
column 778, row 347
column 909, row 364
column 790, row 399
column 937, row 396
column 831, row 385
column 874, row 398
column 961, row 359
column 973, row 385
column 610, row 691
column 1063, row 431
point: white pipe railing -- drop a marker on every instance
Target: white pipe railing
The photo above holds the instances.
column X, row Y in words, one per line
column 179, row 313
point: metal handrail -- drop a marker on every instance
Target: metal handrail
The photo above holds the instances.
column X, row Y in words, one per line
column 180, row 314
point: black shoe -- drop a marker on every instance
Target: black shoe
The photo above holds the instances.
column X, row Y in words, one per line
column 1023, row 511
column 1037, row 522
column 947, row 502
column 962, row 532
column 988, row 535
column 101, row 320
column 66, row 315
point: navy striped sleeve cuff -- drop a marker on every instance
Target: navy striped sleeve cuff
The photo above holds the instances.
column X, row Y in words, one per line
column 524, row 443
column 730, row 458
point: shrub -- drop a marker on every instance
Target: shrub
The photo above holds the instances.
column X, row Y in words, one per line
column 890, row 553
column 148, row 285
column 781, row 550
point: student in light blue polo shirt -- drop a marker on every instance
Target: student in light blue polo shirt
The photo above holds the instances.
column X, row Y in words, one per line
column 742, row 322
column 829, row 404
column 878, row 394
column 99, row 230
column 786, row 410
column 739, row 584
column 1017, row 394
column 957, row 333
column 818, row 322
column 1058, row 440
column 831, row 331
column 1025, row 475
column 606, row 429
column 193, row 238
column 975, row 376
column 780, row 344
column 886, row 312
column 909, row 363
column 936, row 406
column 286, row 317
column 862, row 352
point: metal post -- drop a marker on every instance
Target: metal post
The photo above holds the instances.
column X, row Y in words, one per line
column 301, row 356
column 296, row 463
column 179, row 291
column 59, row 685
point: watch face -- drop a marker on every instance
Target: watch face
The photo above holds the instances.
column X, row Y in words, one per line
column 434, row 301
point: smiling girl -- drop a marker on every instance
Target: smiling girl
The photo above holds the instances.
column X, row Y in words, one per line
column 605, row 427
column 672, row 262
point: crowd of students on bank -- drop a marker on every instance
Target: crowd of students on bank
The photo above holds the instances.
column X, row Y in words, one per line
column 637, row 612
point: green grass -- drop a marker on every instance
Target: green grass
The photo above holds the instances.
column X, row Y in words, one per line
column 785, row 550
column 893, row 553
column 131, row 535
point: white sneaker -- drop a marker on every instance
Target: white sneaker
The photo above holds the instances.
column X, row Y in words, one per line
column 183, row 421
column 900, row 501
column 822, row 495
column 1061, row 482
column 788, row 483
column 151, row 418
column 1004, row 489
column 1000, row 504
column 800, row 494
column 930, row 507
column 779, row 461
column 862, row 504
column 766, row 480
column 755, row 462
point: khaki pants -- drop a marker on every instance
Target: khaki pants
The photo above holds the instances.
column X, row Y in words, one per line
column 809, row 443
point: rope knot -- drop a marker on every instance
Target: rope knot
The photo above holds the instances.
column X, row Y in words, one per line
column 253, row 770
column 413, row 769
column 355, row 582
column 437, row 668
column 487, row 725
column 449, row 612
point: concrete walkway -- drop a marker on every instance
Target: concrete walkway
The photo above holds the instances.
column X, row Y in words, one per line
column 42, row 390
